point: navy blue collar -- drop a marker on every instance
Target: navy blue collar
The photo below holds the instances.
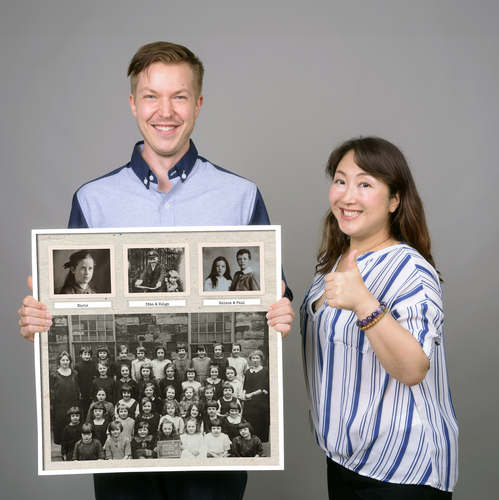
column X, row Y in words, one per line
column 182, row 169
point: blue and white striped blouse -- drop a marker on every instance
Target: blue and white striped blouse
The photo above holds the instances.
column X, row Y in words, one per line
column 362, row 417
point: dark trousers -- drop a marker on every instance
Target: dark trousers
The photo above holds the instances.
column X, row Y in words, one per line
column 209, row 485
column 343, row 484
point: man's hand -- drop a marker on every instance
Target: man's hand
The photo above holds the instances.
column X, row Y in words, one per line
column 34, row 316
column 280, row 315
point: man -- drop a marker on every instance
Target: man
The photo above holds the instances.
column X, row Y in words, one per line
column 166, row 183
column 151, row 278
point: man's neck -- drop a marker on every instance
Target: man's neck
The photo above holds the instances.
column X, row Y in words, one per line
column 161, row 165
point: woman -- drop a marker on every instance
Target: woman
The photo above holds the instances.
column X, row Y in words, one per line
column 256, row 396
column 81, row 269
column 219, row 279
column 372, row 334
column 64, row 394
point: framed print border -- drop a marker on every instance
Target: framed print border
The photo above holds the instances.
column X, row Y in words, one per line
column 168, row 319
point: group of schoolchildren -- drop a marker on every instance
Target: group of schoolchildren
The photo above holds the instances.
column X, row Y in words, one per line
column 128, row 406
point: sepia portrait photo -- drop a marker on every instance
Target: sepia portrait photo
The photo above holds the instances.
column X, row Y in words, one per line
column 159, row 270
column 81, row 272
column 232, row 269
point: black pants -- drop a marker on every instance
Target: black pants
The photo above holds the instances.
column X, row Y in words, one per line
column 343, row 484
column 209, row 485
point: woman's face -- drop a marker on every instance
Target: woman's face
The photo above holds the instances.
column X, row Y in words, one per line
column 220, row 267
column 98, row 412
column 147, row 407
column 170, row 410
column 142, row 432
column 194, row 411
column 170, row 393
column 208, row 394
column 64, row 362
column 149, row 391
column 125, row 371
column 170, row 371
column 214, row 372
column 361, row 203
column 256, row 360
column 146, row 372
column 189, row 393
column 160, row 354
column 83, row 271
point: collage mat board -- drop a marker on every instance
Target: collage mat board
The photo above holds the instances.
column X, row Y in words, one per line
column 150, row 287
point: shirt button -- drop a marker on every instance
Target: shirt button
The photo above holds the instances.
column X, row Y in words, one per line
column 151, row 177
column 145, row 181
column 167, row 206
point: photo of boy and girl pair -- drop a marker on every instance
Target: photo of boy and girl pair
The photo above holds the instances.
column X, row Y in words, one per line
column 128, row 416
column 221, row 280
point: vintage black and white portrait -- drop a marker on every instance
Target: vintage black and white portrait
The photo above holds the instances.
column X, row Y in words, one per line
column 160, row 269
column 237, row 269
column 80, row 272
column 197, row 388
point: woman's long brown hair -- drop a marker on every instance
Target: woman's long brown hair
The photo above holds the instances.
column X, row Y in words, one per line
column 385, row 162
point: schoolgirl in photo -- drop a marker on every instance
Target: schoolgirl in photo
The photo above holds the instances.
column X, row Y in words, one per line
column 171, row 379
column 124, row 378
column 219, row 279
column 145, row 376
column 85, row 369
column 127, row 400
column 100, row 398
column 80, row 267
column 172, row 413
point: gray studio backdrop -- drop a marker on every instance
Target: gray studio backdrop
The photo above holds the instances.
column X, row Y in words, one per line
column 285, row 81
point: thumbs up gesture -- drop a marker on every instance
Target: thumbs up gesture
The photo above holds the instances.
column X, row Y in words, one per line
column 347, row 290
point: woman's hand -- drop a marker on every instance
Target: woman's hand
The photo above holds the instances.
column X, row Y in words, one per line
column 34, row 316
column 280, row 315
column 347, row 290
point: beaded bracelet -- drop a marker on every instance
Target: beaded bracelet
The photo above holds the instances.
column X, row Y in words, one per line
column 371, row 320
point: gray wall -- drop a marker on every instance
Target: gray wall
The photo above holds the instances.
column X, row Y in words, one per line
column 285, row 82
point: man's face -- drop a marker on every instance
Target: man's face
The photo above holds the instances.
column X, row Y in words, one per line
column 166, row 106
column 153, row 260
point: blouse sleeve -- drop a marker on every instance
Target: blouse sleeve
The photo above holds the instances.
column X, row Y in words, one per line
column 418, row 307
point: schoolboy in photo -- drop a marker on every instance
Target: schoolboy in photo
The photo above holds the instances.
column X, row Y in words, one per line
column 246, row 279
column 88, row 448
column 81, row 272
column 71, row 433
column 152, row 276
